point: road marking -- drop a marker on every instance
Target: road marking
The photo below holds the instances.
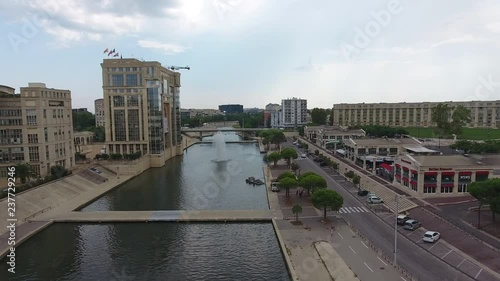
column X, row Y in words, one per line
column 368, row 267
column 478, row 273
column 381, row 261
column 364, row 244
column 447, row 254
column 435, row 243
column 352, row 231
column 460, row 263
column 359, row 209
column 340, row 235
column 340, row 211
column 366, row 210
column 352, row 209
column 403, row 279
column 352, row 250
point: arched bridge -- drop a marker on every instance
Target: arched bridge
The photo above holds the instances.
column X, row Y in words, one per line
column 222, row 130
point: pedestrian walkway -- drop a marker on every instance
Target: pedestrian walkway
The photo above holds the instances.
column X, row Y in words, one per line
column 348, row 210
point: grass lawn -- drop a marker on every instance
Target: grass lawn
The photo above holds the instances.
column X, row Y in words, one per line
column 468, row 133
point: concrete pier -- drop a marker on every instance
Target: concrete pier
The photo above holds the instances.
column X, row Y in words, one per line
column 161, row 216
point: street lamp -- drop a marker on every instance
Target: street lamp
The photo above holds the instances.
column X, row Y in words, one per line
column 396, row 197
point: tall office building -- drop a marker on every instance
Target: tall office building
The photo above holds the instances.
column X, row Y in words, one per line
column 36, row 127
column 142, row 109
column 293, row 112
column 99, row 113
column 484, row 114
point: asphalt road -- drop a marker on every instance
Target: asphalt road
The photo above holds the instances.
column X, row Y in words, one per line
column 413, row 258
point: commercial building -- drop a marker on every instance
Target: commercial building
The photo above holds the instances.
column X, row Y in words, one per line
column 268, row 111
column 331, row 136
column 142, row 109
column 231, row 108
column 443, row 175
column 100, row 119
column 36, row 127
column 484, row 114
column 192, row 112
column 293, row 112
column 79, row 110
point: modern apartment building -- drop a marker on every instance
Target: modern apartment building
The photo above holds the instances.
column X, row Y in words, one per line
column 99, row 113
column 36, row 127
column 484, row 114
column 142, row 109
column 231, row 108
column 293, row 112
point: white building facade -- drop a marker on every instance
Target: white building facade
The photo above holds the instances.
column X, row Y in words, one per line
column 293, row 113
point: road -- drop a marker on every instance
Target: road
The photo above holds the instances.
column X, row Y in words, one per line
column 409, row 255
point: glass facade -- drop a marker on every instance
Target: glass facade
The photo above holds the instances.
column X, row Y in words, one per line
column 133, row 124
column 131, row 80
column 117, row 80
column 155, row 117
column 120, row 131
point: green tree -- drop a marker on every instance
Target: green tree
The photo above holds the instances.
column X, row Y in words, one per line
column 307, row 174
column 99, row 133
column 286, row 175
column 441, row 115
column 288, row 154
column 274, row 157
column 294, row 166
column 319, row 116
column 82, row 120
column 58, row 172
column 277, row 137
column 335, row 166
column 327, row 198
column 331, row 116
column 23, row 171
column 459, row 118
column 287, row 183
column 350, row 174
column 316, row 152
column 486, row 192
column 296, row 210
column 312, row 182
column 356, row 180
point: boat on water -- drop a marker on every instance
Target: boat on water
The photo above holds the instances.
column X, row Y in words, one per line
column 254, row 181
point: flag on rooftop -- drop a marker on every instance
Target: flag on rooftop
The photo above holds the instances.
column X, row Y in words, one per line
column 105, row 51
column 116, row 55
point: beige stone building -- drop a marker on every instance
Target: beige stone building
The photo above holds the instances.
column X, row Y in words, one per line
column 142, row 109
column 99, row 113
column 485, row 114
column 443, row 175
column 331, row 136
column 36, row 128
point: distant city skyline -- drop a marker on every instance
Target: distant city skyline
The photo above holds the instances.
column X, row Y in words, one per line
column 259, row 52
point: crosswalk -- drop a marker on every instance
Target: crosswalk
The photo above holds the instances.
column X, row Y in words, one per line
column 348, row 210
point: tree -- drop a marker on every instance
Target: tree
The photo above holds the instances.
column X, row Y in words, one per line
column 356, row 180
column 307, row 174
column 312, row 182
column 316, row 152
column 486, row 192
column 286, row 175
column 277, row 137
column 58, row 171
column 335, row 166
column 441, row 115
column 287, row 183
column 331, row 116
column 319, row 116
column 296, row 210
column 23, row 171
column 288, row 154
column 294, row 166
column 459, row 118
column 82, row 120
column 274, row 157
column 327, row 198
column 350, row 174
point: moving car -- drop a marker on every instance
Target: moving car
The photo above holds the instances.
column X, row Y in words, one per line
column 362, row 192
column 373, row 199
column 402, row 219
column 431, row 236
column 411, row 224
column 303, row 155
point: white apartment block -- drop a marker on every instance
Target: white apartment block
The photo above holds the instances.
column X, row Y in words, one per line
column 293, row 112
column 484, row 114
column 36, row 127
column 99, row 113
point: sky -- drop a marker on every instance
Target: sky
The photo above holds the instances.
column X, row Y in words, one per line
column 255, row 52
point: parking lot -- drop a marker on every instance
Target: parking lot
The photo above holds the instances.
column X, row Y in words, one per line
column 444, row 251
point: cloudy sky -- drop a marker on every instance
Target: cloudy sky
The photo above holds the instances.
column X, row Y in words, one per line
column 254, row 52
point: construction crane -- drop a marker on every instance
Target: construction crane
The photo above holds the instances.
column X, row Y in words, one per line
column 173, row 67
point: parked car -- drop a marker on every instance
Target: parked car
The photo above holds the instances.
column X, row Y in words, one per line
column 402, row 219
column 431, row 236
column 362, row 192
column 374, row 200
column 303, row 155
column 275, row 187
column 411, row 224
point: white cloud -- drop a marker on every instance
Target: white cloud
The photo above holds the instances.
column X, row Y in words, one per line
column 166, row 48
column 460, row 40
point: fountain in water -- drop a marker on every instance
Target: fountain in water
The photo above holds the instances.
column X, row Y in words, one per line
column 220, row 147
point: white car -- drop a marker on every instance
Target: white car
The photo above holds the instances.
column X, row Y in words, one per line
column 431, row 236
column 303, row 155
column 373, row 199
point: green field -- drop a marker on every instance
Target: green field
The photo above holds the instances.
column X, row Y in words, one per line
column 468, row 133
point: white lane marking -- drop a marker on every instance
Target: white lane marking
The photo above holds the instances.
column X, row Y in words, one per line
column 352, row 231
column 347, row 210
column 364, row 244
column 352, row 209
column 340, row 211
column 447, row 254
column 340, row 235
column 352, row 250
column 366, row 210
column 403, row 279
column 358, row 209
column 435, row 243
column 478, row 273
column 381, row 261
column 460, row 263
column 368, row 267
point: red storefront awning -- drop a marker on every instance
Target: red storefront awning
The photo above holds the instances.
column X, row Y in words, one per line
column 465, row 173
column 398, row 176
column 447, row 185
column 430, row 185
column 404, row 179
column 430, row 173
column 405, row 168
column 413, row 182
column 397, row 165
column 414, row 172
column 482, row 172
column 386, row 166
column 448, row 173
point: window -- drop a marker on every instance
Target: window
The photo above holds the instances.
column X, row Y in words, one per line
column 46, row 134
column 132, row 100
column 47, row 154
column 45, row 113
column 120, row 131
column 33, row 154
column 429, row 189
column 118, row 101
column 117, row 80
column 462, row 187
column 133, row 125
column 446, row 189
column 31, row 116
column 32, row 138
column 131, row 79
